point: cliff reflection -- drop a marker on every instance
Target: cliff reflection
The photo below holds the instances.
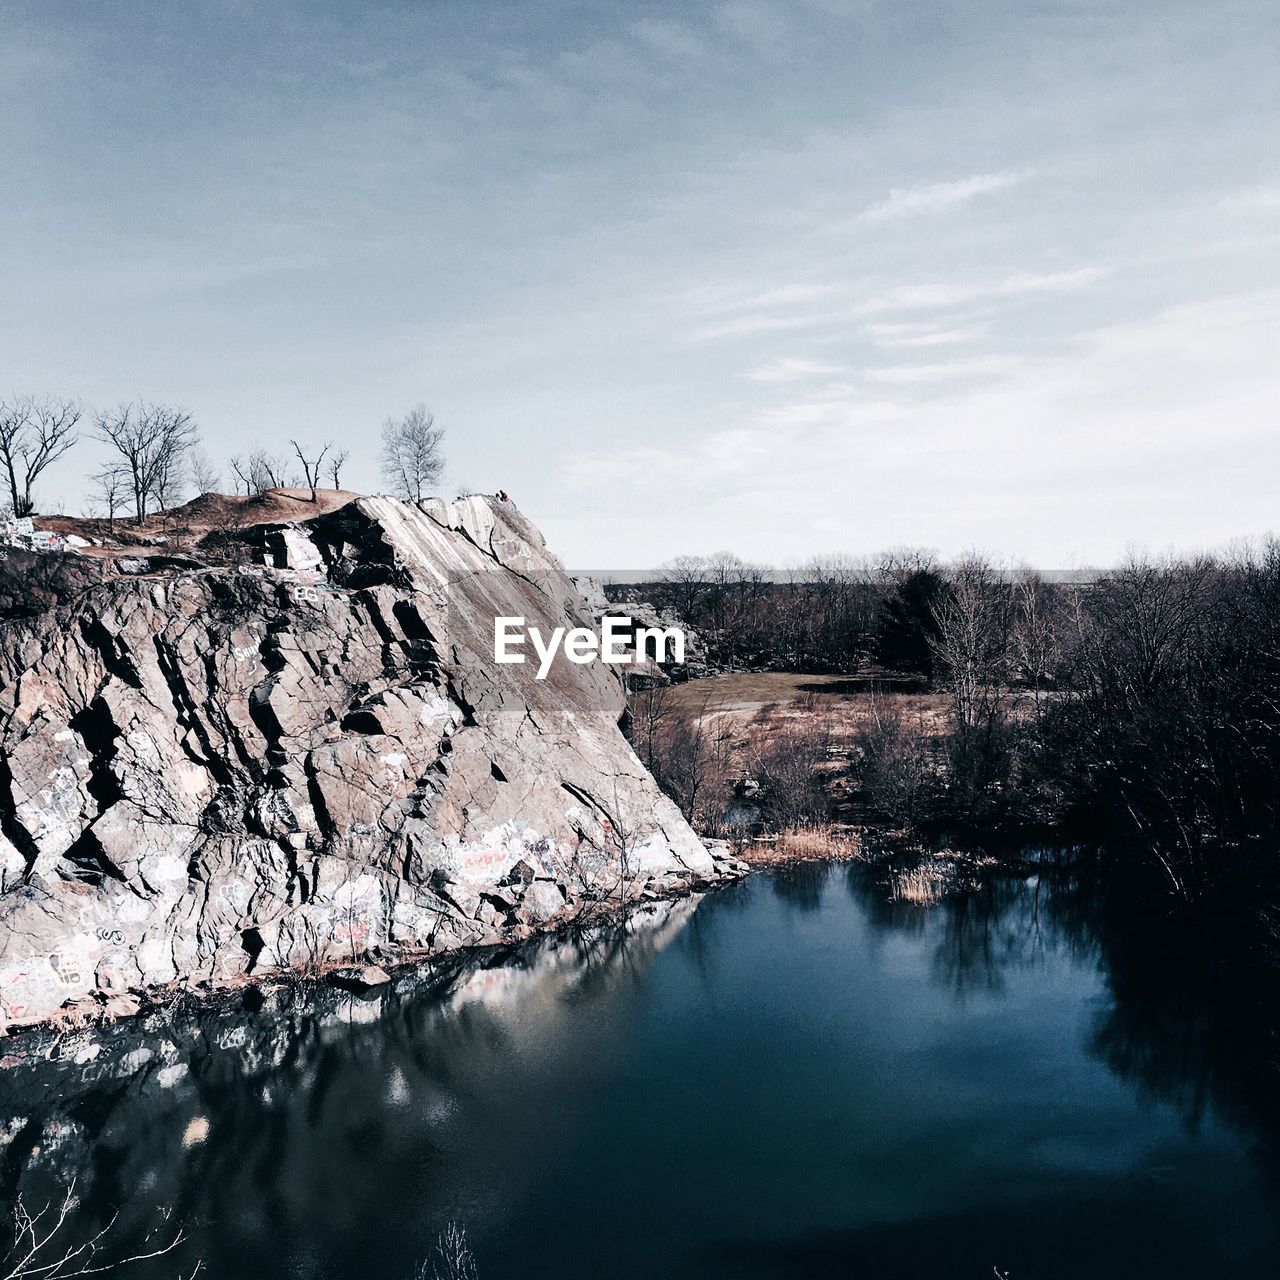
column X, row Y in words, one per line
column 869, row 1077
column 245, row 1122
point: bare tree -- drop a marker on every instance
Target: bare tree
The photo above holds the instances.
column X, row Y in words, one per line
column 686, row 578
column 975, row 623
column 261, row 471
column 153, row 440
column 270, row 471
column 311, row 466
column 787, row 761
column 895, row 764
column 652, row 710
column 1035, row 632
column 41, row 1244
column 690, row 761
column 336, row 462
column 34, row 434
column 451, row 1259
column 204, row 475
column 110, row 489
column 412, row 459
column 240, row 473
column 171, row 481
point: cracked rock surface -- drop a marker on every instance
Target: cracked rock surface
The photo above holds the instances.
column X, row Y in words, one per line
column 312, row 757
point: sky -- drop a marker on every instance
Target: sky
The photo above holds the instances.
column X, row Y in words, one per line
column 783, row 278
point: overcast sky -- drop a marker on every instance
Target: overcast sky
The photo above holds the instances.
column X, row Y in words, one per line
column 782, row 278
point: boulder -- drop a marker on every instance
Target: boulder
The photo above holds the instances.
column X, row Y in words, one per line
column 360, row 978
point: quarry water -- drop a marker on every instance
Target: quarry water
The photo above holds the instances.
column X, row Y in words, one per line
column 793, row 1077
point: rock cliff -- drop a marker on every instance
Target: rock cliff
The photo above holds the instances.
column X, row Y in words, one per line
column 311, row 757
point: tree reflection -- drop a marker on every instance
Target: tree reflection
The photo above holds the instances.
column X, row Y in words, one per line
column 801, row 886
column 1195, row 1016
column 1194, row 1013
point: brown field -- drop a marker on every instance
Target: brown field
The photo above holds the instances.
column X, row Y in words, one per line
column 797, row 728
column 837, row 703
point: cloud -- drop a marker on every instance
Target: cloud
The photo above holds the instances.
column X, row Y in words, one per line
column 1159, row 429
column 785, row 295
column 757, row 23
column 742, row 326
column 906, row 202
column 671, row 39
column 792, row 307
column 888, row 333
column 944, row 294
column 777, row 308
column 1259, row 198
column 792, row 370
column 945, row 370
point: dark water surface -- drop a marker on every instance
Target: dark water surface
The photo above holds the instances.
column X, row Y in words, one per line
column 789, row 1078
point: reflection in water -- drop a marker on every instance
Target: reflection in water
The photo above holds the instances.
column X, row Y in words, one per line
column 802, row 885
column 1194, row 1019
column 792, row 1077
column 257, row 1128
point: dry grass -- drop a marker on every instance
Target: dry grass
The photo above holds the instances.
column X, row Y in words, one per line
column 750, row 691
column 823, row 842
column 938, row 874
column 764, row 700
column 922, row 886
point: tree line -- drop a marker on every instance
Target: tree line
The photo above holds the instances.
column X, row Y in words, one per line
column 834, row 614
column 1144, row 701
column 154, row 456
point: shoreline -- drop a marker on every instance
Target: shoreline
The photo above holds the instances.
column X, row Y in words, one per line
column 107, row 1009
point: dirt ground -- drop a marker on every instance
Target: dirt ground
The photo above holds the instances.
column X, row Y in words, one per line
column 199, row 516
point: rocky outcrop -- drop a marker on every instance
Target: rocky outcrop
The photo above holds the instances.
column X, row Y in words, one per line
column 312, row 757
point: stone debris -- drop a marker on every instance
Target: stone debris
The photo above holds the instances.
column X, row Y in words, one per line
column 212, row 774
column 361, row 978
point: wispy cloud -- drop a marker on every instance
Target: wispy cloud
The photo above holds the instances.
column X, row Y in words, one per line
column 933, row 197
column 795, row 307
column 944, row 294
column 1261, row 198
column 909, row 333
column 1016, row 446
column 944, row 370
column 772, row 309
column 792, row 370
column 754, row 21
column 755, row 323
column 672, row 39
column 782, row 295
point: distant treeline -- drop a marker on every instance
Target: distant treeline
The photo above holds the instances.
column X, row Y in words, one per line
column 837, row 614
column 1146, row 700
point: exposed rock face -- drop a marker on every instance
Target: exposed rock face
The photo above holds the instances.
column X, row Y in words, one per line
column 220, row 771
